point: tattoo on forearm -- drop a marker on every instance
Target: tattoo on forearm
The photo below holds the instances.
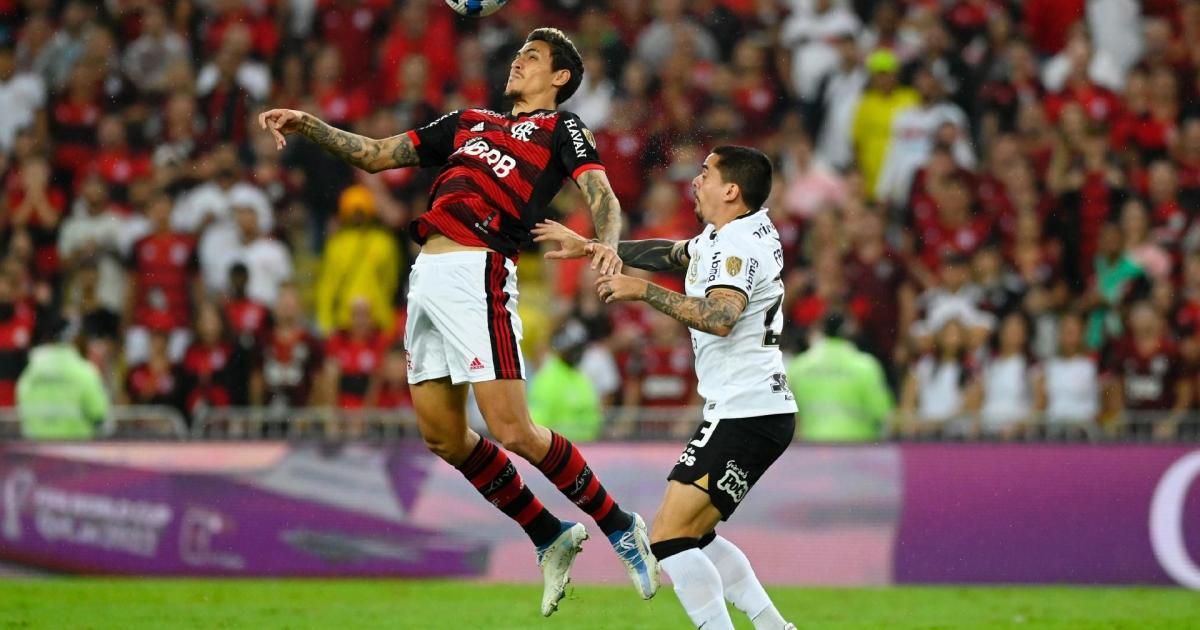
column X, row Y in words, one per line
column 656, row 254
column 714, row 314
column 606, row 210
column 368, row 154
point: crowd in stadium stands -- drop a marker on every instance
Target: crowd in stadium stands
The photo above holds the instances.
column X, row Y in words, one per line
column 1000, row 197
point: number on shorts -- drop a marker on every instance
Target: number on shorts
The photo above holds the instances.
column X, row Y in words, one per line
column 706, row 431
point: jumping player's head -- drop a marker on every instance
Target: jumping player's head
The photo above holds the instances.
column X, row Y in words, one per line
column 547, row 68
column 733, row 181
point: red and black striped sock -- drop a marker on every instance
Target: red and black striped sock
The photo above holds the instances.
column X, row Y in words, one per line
column 489, row 469
column 565, row 467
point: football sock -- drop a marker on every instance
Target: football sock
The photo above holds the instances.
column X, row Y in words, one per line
column 697, row 582
column 741, row 586
column 565, row 467
column 489, row 469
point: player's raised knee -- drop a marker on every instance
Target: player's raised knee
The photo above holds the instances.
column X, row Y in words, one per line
column 451, row 449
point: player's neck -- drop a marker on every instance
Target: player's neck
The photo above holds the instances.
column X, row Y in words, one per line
column 729, row 214
column 523, row 105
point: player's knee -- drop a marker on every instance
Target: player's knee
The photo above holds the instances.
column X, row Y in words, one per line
column 451, row 449
column 520, row 440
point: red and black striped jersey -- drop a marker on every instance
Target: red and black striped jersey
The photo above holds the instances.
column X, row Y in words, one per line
column 499, row 171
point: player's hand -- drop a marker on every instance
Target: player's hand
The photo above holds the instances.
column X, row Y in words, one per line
column 281, row 122
column 570, row 244
column 619, row 287
column 604, row 258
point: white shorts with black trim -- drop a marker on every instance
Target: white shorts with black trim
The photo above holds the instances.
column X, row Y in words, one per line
column 462, row 318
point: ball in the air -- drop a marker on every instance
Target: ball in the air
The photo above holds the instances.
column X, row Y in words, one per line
column 476, row 8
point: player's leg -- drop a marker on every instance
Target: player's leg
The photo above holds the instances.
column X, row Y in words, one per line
column 687, row 513
column 500, row 392
column 741, row 585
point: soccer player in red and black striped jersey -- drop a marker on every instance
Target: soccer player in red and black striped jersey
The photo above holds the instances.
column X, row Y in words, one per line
column 498, row 173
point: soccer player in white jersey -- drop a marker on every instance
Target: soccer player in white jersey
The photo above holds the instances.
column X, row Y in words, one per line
column 734, row 292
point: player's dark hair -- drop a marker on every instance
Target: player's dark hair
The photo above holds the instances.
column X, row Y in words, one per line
column 563, row 56
column 749, row 168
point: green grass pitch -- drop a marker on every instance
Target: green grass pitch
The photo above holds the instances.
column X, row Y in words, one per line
column 86, row 603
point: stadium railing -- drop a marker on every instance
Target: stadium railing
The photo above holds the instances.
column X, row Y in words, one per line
column 123, row 422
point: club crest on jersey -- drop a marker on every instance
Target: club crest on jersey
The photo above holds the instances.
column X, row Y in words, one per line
column 587, row 135
column 733, row 265
column 693, row 272
column 524, row 130
column 735, row 482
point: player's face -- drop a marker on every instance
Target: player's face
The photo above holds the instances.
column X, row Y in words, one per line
column 709, row 190
column 532, row 73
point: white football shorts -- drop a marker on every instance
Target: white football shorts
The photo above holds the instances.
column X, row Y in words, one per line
column 462, row 318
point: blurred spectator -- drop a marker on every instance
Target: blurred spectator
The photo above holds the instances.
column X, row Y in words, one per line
column 21, row 98
column 17, row 321
column 593, row 101
column 352, row 357
column 291, row 355
column 361, row 261
column 268, row 262
column 1147, row 380
column 1006, row 376
column 60, row 394
column 561, row 397
column 809, row 32
column 940, row 387
column 158, row 380
column 36, row 205
column 836, row 102
column 882, row 298
column 883, row 99
column 248, row 320
column 954, row 298
column 215, row 372
column 97, row 233
column 147, row 58
column 841, row 392
column 164, row 278
column 659, row 374
column 915, row 131
column 813, row 185
column 390, row 391
column 1068, row 385
column 666, row 34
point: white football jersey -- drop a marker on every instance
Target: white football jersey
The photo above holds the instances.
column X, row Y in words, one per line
column 741, row 375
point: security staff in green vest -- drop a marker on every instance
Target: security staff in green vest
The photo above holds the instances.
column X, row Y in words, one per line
column 561, row 397
column 60, row 395
column 841, row 392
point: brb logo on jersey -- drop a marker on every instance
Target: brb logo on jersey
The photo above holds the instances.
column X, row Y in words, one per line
column 478, row 147
column 524, row 130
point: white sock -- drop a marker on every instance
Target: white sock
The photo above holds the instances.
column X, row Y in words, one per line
column 698, row 586
column 741, row 586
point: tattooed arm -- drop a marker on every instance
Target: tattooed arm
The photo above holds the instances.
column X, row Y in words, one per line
column 370, row 154
column 716, row 313
column 656, row 254
column 602, row 201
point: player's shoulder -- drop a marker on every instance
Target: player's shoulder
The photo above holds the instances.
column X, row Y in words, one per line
column 753, row 230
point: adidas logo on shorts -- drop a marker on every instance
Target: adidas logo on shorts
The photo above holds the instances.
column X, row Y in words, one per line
column 476, row 364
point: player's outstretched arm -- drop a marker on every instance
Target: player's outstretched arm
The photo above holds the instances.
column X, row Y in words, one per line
column 656, row 254
column 715, row 313
column 606, row 219
column 370, row 154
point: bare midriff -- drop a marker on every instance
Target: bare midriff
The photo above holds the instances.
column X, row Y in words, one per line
column 439, row 244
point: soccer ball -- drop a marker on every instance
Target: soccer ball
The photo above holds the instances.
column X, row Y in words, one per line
column 476, row 8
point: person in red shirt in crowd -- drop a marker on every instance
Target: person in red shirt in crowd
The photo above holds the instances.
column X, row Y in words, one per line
column 264, row 34
column 415, row 30
column 623, row 146
column 73, row 119
column 756, row 96
column 164, row 275
column 955, row 228
column 339, row 103
column 226, row 107
column 16, row 336
column 1149, row 123
column 353, row 356
column 210, row 365
column 1187, row 155
column 825, row 289
column 248, row 320
column 35, row 205
column 1167, row 213
column 1048, row 21
column 660, row 375
column 664, row 216
column 390, row 390
column 157, row 380
column 882, row 298
column 349, row 26
column 291, row 356
column 1147, row 381
column 1099, row 104
column 116, row 162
